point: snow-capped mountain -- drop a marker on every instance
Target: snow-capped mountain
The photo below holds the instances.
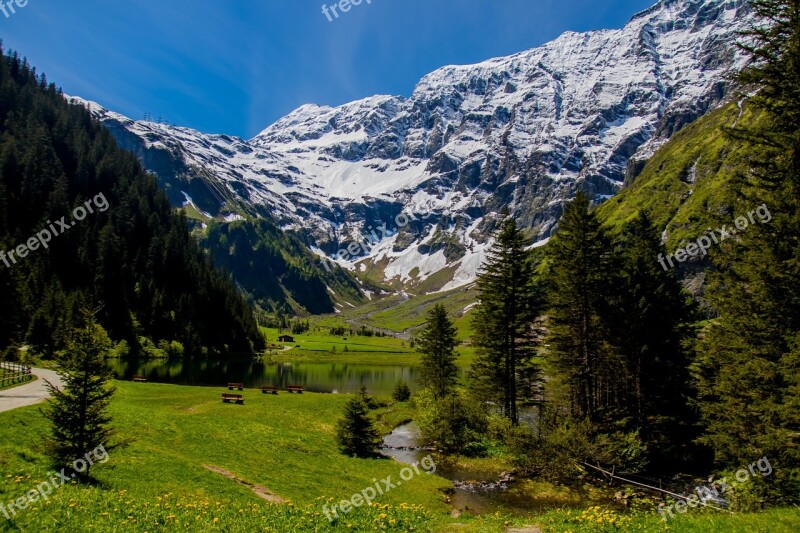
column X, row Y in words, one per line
column 519, row 134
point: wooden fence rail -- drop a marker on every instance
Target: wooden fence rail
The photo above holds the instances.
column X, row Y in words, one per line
column 11, row 373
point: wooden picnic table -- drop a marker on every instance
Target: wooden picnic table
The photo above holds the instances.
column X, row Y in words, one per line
column 228, row 398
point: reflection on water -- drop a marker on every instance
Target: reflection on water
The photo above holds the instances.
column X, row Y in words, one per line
column 314, row 377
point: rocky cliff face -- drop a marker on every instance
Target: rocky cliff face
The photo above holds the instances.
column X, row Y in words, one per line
column 517, row 134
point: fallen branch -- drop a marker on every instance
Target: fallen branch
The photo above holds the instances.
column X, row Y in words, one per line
column 606, row 472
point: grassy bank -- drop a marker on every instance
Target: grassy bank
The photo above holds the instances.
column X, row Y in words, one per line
column 321, row 341
column 195, row 462
column 19, row 383
column 282, row 443
column 597, row 520
column 360, row 358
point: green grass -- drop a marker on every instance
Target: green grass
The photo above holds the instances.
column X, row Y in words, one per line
column 411, row 314
column 317, row 347
column 359, row 358
column 597, row 520
column 322, row 341
column 284, row 443
column 394, row 415
column 402, row 313
column 685, row 186
column 193, row 214
column 396, row 313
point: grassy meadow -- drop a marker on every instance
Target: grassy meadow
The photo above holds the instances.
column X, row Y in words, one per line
column 399, row 316
column 194, row 462
column 162, row 481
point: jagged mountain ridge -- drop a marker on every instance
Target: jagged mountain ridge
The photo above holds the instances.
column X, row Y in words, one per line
column 518, row 133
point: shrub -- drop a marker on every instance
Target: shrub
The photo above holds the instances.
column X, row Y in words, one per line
column 498, row 427
column 11, row 353
column 175, row 349
column 762, row 487
column 454, row 423
column 558, row 452
column 401, row 392
column 120, row 350
column 149, row 349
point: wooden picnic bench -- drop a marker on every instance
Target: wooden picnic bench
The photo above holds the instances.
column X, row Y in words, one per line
column 228, row 398
column 266, row 389
column 295, row 388
column 139, row 378
column 239, row 386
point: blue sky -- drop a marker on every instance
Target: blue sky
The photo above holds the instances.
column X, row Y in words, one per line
column 236, row 66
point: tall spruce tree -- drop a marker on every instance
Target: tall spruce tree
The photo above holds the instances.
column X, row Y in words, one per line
column 437, row 344
column 78, row 413
column 748, row 368
column 580, row 281
column 650, row 323
column 505, row 336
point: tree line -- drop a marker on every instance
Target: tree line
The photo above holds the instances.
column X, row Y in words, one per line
column 135, row 262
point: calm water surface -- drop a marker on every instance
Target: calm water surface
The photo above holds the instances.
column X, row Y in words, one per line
column 253, row 373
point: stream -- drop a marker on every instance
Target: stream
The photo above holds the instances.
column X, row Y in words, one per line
column 474, row 491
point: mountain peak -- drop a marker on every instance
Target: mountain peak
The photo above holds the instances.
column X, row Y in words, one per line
column 520, row 133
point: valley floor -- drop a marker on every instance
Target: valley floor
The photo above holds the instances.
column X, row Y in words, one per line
column 196, row 464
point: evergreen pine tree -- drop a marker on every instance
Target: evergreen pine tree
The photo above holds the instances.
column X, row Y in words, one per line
column 78, row 413
column 505, row 337
column 437, row 344
column 748, row 368
column 580, row 281
column 651, row 325
column 355, row 432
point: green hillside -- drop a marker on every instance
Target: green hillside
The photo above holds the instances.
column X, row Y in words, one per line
column 275, row 269
column 686, row 185
column 83, row 225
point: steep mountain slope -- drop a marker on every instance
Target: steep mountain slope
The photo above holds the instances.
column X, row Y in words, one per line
column 130, row 257
column 272, row 267
column 276, row 270
column 688, row 187
column 517, row 134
